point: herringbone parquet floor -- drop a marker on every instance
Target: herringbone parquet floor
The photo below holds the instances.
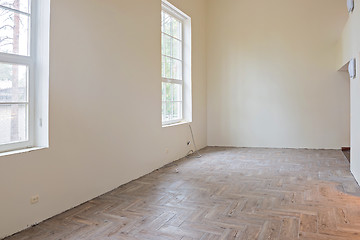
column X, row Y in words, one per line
column 229, row 193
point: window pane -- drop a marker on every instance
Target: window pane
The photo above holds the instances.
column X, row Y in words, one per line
column 14, row 32
column 176, row 29
column 166, row 45
column 13, row 83
column 171, row 47
column 21, row 5
column 171, row 26
column 176, row 49
column 169, row 111
column 171, row 92
column 172, row 111
column 177, row 92
column 163, row 92
column 176, row 69
column 166, row 67
column 177, row 106
column 168, row 91
column 166, row 23
column 13, row 123
column 164, row 112
column 163, row 67
column 172, row 68
column 172, row 102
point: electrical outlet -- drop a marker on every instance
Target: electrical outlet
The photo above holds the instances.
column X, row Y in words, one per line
column 34, row 199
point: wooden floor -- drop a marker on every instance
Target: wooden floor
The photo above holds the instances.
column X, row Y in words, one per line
column 229, row 193
column 347, row 154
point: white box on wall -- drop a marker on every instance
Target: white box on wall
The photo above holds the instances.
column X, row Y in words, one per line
column 352, row 68
column 350, row 5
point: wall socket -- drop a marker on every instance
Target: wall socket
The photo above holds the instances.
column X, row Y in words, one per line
column 34, row 199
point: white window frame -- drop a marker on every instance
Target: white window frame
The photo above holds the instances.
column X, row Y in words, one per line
column 28, row 61
column 38, row 77
column 186, row 115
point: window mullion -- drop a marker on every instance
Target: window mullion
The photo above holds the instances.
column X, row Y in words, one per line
column 173, row 58
column 15, row 10
column 172, row 36
column 167, row 80
column 15, row 59
column 13, row 103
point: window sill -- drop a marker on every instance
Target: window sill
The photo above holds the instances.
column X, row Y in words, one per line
column 24, row 150
column 175, row 124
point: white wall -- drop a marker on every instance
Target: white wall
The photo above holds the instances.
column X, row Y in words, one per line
column 350, row 48
column 105, row 108
column 272, row 79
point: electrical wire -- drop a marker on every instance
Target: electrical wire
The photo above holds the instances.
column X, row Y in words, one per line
column 196, row 150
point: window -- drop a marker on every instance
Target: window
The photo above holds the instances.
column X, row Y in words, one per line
column 18, row 73
column 175, row 53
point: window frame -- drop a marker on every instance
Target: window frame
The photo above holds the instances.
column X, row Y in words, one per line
column 181, row 17
column 29, row 61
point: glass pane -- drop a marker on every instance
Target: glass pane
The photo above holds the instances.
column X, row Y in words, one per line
column 162, row 67
column 13, row 123
column 171, row 92
column 166, row 45
column 21, row 5
column 163, row 92
column 166, row 23
column 167, row 92
column 177, row 110
column 171, row 26
column 164, row 112
column 166, row 67
column 171, row 47
column 172, row 68
column 177, row 95
column 13, row 83
column 176, row 69
column 162, row 20
column 14, row 32
column 176, row 29
column 169, row 111
column 172, row 102
column 176, row 49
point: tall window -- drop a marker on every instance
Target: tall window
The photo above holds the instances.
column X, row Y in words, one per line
column 173, row 65
column 16, row 64
column 17, row 72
